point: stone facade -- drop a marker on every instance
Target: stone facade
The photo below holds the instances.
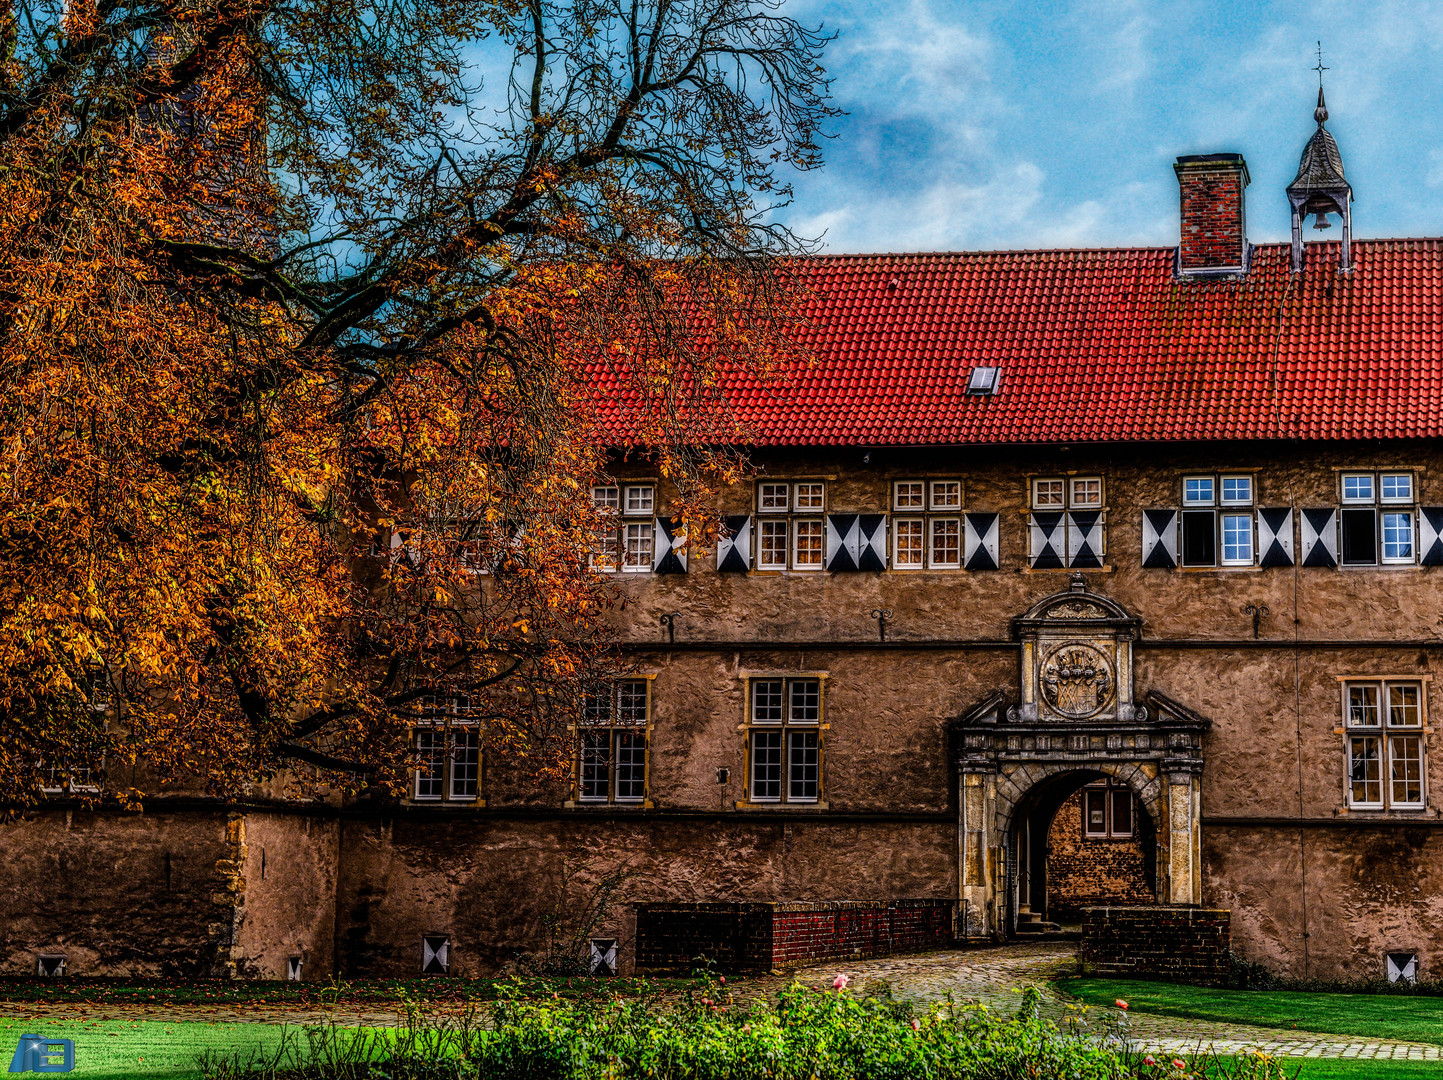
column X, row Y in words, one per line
column 1238, row 760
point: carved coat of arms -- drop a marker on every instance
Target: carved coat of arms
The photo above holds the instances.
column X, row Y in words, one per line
column 1077, row 680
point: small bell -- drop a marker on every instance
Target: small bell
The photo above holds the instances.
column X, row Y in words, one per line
column 1321, row 221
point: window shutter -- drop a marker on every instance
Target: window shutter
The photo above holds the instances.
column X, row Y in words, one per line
column 1275, row 536
column 872, row 542
column 1159, row 539
column 1320, row 537
column 1047, row 540
column 1084, row 539
column 668, row 549
column 1430, row 535
column 979, row 542
column 841, row 543
column 734, row 549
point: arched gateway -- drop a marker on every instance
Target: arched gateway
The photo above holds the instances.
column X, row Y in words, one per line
column 1075, row 719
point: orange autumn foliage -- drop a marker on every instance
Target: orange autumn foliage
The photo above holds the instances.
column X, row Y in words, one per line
column 294, row 313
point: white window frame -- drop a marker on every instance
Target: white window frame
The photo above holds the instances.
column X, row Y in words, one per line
column 897, row 528
column 821, row 532
column 646, row 532
column 918, row 507
column 1037, row 482
column 448, row 716
column 614, row 728
column 768, row 492
column 1191, row 501
column 785, row 731
column 933, row 561
column 1381, row 508
column 770, row 496
column 1251, row 525
column 939, row 504
column 929, row 510
column 1073, row 503
column 1387, row 736
column 1395, row 510
column 1395, row 500
column 1222, row 508
column 646, row 507
column 771, row 523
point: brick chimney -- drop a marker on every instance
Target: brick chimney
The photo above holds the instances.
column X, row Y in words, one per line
column 1214, row 233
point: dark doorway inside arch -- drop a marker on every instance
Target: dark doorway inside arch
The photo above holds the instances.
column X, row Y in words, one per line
column 1078, row 839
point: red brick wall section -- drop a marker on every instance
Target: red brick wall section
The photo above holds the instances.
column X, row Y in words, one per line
column 1212, row 233
column 1084, row 872
column 764, row 937
column 1182, row 944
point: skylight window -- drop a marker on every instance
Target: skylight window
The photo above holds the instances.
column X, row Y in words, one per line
column 983, row 381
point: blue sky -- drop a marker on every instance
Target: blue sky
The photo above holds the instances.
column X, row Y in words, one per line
column 1008, row 124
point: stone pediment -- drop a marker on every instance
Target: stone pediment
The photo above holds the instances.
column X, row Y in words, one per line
column 1076, row 659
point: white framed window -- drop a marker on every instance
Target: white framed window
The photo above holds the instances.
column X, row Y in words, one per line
column 1383, row 721
column 1067, row 493
column 638, row 541
column 946, row 543
column 640, row 500
column 1377, row 524
column 784, row 740
column 1086, row 492
column 1217, row 537
column 611, row 747
column 908, row 543
column 1049, row 493
column 909, row 495
column 1068, row 526
column 791, row 533
column 1107, row 811
column 447, row 743
column 946, row 495
column 606, row 499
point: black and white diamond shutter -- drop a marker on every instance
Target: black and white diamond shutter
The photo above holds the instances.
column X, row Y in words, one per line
column 1048, row 541
column 1084, row 539
column 668, row 553
column 1275, row 536
column 979, row 542
column 1159, row 539
column 1430, row 535
column 856, row 542
column 1320, row 537
column 734, row 550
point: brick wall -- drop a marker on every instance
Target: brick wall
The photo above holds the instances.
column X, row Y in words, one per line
column 763, row 937
column 1180, row 943
column 1084, row 872
column 1212, row 227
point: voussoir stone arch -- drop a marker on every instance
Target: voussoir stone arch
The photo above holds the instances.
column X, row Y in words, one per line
column 1016, row 781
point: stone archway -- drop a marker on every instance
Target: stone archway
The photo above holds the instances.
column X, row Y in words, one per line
column 1075, row 713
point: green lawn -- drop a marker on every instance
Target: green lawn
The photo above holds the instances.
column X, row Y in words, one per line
column 1371, row 1070
column 111, row 1049
column 1373, row 1016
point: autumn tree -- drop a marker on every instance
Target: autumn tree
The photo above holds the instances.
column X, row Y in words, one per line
column 303, row 307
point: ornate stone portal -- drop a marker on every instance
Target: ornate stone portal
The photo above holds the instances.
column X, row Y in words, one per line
column 1075, row 719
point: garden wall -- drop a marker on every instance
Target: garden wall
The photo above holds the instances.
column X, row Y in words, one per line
column 1182, row 943
column 764, row 937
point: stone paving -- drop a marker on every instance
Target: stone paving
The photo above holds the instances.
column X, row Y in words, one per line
column 993, row 976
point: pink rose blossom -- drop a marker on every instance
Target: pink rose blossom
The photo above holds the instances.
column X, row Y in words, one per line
column 840, row 982
column 1149, row 1060
column 1179, row 1063
column 916, row 1024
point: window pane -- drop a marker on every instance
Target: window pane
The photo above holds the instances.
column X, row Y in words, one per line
column 766, row 765
column 1198, row 490
column 772, row 498
column 806, row 706
column 1405, row 770
column 640, row 499
column 606, row 497
column 946, row 495
column 1403, row 709
column 1365, row 770
column 908, row 495
column 809, row 497
column 596, row 706
column 431, row 775
column 1047, row 493
column 1094, row 811
column 465, row 762
column 1121, row 812
column 1358, row 487
column 802, row 765
column 631, row 702
column 1199, row 538
column 1397, row 487
column 908, row 533
column 1397, row 536
column 595, row 764
column 1360, row 539
column 638, row 548
column 1238, row 490
column 946, row 542
column 1362, row 706
column 603, row 549
column 772, row 552
column 767, row 701
column 1086, row 492
column 630, row 765
column 1237, row 538
column 809, row 544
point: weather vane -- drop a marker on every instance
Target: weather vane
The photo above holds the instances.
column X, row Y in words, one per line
column 1320, row 68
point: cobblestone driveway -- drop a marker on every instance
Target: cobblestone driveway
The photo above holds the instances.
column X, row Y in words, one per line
column 994, row 976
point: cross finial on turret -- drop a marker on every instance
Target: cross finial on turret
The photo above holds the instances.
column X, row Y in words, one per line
column 1320, row 114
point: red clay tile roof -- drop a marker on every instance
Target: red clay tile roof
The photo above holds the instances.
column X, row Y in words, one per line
column 1107, row 346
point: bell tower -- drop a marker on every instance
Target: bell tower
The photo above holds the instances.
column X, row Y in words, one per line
column 1320, row 189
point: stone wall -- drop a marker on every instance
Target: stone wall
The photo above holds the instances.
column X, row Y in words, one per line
column 1157, row 941
column 765, row 937
column 1086, row 871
